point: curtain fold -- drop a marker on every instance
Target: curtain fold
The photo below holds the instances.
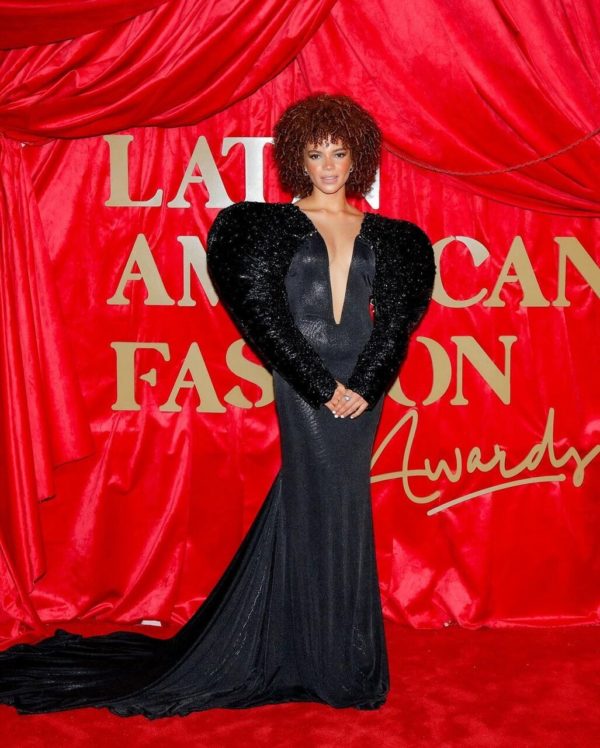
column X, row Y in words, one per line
column 175, row 65
column 25, row 23
column 478, row 88
column 43, row 419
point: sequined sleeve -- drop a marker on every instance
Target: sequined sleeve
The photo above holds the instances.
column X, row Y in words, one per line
column 402, row 289
column 246, row 264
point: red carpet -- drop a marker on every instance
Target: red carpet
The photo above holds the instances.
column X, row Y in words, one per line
column 479, row 688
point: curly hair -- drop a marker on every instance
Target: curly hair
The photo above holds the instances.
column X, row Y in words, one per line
column 315, row 119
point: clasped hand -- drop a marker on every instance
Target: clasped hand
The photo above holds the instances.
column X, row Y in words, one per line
column 341, row 407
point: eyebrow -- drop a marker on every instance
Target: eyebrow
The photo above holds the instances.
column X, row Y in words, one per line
column 318, row 150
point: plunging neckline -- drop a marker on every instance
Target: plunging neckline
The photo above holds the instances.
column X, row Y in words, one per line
column 328, row 257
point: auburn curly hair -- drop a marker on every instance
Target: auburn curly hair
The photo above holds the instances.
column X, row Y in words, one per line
column 315, row 119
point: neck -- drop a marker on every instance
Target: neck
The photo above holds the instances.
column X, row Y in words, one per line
column 335, row 203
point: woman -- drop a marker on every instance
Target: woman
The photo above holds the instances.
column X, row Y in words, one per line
column 297, row 615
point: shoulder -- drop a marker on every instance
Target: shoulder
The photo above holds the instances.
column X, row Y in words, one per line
column 248, row 215
column 396, row 233
column 245, row 237
column 402, row 247
column 404, row 256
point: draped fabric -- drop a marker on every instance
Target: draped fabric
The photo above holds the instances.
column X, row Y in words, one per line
column 486, row 86
column 44, row 423
column 25, row 23
column 174, row 65
column 490, row 113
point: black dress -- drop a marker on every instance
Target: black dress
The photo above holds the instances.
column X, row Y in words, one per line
column 297, row 614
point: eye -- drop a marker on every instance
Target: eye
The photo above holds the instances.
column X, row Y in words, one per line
column 341, row 154
column 313, row 156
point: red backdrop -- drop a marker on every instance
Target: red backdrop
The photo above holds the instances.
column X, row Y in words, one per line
column 130, row 476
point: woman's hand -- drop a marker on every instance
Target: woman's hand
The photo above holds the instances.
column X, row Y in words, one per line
column 341, row 407
column 336, row 398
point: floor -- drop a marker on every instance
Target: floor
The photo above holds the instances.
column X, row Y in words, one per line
column 483, row 688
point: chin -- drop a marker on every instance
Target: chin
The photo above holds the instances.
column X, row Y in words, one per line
column 331, row 187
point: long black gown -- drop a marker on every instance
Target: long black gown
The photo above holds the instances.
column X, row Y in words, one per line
column 297, row 614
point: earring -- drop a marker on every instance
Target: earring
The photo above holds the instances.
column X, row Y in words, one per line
column 351, row 168
column 306, row 171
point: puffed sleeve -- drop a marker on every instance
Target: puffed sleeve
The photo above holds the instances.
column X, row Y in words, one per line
column 244, row 263
column 402, row 288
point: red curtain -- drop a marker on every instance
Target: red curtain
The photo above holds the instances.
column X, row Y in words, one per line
column 24, row 23
column 174, row 65
column 490, row 116
column 475, row 89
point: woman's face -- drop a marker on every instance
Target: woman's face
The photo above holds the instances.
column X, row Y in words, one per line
column 328, row 165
